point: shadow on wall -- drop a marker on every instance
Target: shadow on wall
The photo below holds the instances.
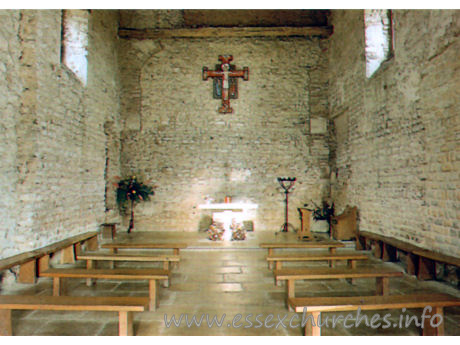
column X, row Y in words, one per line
column 204, row 223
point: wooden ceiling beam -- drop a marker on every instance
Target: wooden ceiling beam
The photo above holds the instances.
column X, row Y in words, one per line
column 212, row 32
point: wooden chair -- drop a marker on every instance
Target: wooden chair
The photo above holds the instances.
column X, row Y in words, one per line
column 345, row 225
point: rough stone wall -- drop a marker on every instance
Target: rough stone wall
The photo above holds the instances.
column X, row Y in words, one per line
column 174, row 136
column 396, row 153
column 144, row 19
column 52, row 178
column 9, row 108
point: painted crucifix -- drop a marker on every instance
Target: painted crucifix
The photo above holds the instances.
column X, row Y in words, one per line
column 225, row 82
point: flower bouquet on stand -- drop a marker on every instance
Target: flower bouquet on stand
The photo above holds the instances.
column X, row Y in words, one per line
column 131, row 190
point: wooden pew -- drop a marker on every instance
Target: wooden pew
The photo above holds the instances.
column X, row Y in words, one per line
column 114, row 246
column 351, row 258
column 421, row 262
column 331, row 245
column 381, row 273
column 316, row 305
column 34, row 261
column 152, row 275
column 124, row 306
column 92, row 257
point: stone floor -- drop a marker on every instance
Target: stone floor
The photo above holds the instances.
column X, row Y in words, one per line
column 221, row 280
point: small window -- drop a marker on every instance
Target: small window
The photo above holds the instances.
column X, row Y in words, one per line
column 379, row 42
column 75, row 42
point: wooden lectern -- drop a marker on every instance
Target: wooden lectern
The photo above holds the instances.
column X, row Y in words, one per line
column 305, row 216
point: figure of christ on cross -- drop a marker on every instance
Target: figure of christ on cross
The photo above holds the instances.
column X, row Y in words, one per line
column 225, row 74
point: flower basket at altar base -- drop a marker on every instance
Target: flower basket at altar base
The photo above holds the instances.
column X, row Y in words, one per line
column 216, row 232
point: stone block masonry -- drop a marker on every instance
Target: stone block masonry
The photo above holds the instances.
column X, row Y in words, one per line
column 173, row 134
column 53, row 144
column 396, row 134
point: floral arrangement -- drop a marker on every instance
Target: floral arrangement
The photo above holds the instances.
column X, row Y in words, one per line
column 238, row 232
column 130, row 189
column 216, row 232
column 325, row 212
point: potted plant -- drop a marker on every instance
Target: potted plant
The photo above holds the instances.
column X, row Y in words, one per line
column 131, row 190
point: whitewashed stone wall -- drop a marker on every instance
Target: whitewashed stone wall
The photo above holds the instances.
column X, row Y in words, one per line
column 396, row 154
column 174, row 136
column 54, row 146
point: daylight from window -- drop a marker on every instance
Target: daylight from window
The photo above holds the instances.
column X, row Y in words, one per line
column 75, row 42
column 378, row 38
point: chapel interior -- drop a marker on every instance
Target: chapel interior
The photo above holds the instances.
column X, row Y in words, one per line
column 185, row 143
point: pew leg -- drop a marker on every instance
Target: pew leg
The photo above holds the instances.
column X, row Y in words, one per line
column 278, row 265
column 440, row 329
column 176, row 251
column 58, row 286
column 270, row 252
column 383, row 286
column 278, row 282
column 90, row 264
column 426, row 269
column 352, row 265
column 27, row 272
column 125, row 323
column 308, row 330
column 166, row 283
column 428, row 330
column 153, row 294
column 315, row 329
column 290, row 287
column 412, row 264
column 166, row 268
column 332, row 251
column 6, row 328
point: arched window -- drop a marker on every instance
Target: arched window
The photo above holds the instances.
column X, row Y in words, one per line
column 379, row 40
column 75, row 42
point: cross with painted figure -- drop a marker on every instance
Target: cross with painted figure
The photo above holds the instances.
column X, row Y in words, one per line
column 225, row 81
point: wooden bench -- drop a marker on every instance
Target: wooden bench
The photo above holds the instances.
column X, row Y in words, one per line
column 34, row 261
column 381, row 273
column 351, row 258
column 420, row 262
column 114, row 246
column 92, row 257
column 124, row 306
column 316, row 305
column 152, row 275
column 331, row 245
